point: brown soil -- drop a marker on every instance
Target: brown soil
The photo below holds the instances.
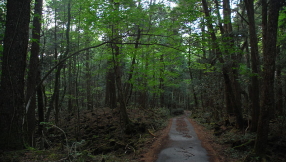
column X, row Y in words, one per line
column 208, row 143
column 155, row 145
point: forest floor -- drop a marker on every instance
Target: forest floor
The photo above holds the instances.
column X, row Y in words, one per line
column 98, row 136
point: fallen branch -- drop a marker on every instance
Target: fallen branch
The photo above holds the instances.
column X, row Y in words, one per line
column 151, row 133
column 244, row 144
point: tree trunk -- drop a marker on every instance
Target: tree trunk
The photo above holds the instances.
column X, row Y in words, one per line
column 13, row 70
column 129, row 85
column 89, row 103
column 191, row 76
column 161, row 81
column 234, row 63
column 254, row 88
column 120, row 92
column 110, row 91
column 267, row 93
column 32, row 79
column 231, row 99
column 54, row 101
column 279, row 91
column 41, row 105
column 71, row 67
column 118, row 68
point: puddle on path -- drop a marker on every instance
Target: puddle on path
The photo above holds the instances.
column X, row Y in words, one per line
column 183, row 144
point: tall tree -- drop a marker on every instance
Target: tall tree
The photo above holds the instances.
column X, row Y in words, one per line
column 89, row 103
column 53, row 104
column 231, row 92
column 110, row 90
column 118, row 66
column 254, row 88
column 33, row 71
column 267, row 93
column 13, row 70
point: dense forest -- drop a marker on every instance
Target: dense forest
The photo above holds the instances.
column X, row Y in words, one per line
column 223, row 60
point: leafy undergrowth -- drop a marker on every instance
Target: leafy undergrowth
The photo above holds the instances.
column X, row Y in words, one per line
column 94, row 136
column 238, row 145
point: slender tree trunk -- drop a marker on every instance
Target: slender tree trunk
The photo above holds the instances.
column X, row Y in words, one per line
column 129, row 85
column 219, row 16
column 120, row 91
column 32, row 79
column 142, row 99
column 71, row 67
column 193, row 89
column 191, row 76
column 13, row 71
column 89, row 103
column 254, row 65
column 41, row 105
column 264, row 10
column 279, row 91
column 118, row 68
column 110, row 91
column 161, row 81
column 53, row 104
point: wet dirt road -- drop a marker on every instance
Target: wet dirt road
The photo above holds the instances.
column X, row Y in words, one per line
column 183, row 144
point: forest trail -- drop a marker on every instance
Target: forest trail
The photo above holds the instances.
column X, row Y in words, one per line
column 183, row 143
column 183, row 140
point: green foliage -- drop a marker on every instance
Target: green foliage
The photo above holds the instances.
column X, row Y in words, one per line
column 203, row 66
column 244, row 70
column 47, row 125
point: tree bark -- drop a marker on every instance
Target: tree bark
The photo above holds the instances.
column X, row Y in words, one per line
column 41, row 105
column 32, row 79
column 71, row 64
column 279, row 90
column 110, row 91
column 267, row 93
column 89, row 104
column 254, row 88
column 13, row 70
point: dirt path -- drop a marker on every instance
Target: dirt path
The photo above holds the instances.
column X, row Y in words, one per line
column 181, row 142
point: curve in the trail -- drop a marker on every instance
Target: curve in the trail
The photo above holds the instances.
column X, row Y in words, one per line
column 183, row 144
